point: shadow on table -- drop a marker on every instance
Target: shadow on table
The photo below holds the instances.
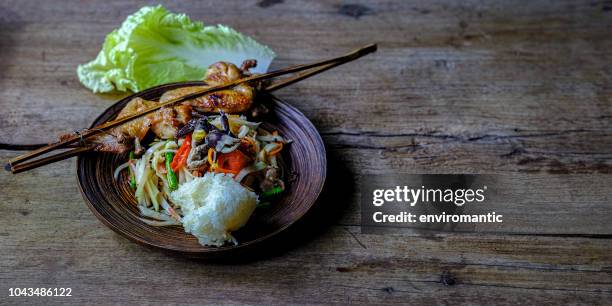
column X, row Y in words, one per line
column 331, row 204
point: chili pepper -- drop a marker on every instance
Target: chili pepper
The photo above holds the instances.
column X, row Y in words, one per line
column 132, row 175
column 171, row 176
column 272, row 192
column 180, row 159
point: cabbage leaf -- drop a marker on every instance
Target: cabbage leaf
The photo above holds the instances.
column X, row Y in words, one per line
column 155, row 46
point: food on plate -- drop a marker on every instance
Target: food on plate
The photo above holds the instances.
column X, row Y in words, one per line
column 213, row 206
column 202, row 164
column 165, row 122
column 235, row 100
column 155, row 46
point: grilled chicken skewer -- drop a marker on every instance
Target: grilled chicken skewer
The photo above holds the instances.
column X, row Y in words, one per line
column 239, row 100
column 166, row 122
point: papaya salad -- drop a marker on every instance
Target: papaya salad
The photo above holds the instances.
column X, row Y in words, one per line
column 206, row 166
column 225, row 151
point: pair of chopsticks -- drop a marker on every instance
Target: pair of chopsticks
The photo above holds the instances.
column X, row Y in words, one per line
column 18, row 164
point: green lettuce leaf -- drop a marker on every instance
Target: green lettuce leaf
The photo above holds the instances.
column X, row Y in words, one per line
column 155, row 46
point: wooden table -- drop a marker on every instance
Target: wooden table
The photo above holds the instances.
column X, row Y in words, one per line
column 456, row 87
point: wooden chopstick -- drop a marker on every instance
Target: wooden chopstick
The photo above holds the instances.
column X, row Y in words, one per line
column 290, row 80
column 323, row 65
column 50, row 159
column 300, row 76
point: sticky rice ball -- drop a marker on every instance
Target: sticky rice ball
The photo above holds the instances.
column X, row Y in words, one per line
column 214, row 206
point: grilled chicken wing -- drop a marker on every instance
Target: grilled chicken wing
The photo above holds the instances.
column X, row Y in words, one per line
column 164, row 123
column 235, row 100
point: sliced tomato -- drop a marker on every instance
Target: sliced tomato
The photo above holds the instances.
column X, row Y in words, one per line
column 232, row 162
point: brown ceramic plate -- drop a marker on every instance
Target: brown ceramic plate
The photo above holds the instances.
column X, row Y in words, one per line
column 112, row 201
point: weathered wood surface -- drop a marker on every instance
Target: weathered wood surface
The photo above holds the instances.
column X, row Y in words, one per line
column 456, row 87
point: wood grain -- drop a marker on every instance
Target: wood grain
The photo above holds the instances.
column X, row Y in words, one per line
column 455, row 87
